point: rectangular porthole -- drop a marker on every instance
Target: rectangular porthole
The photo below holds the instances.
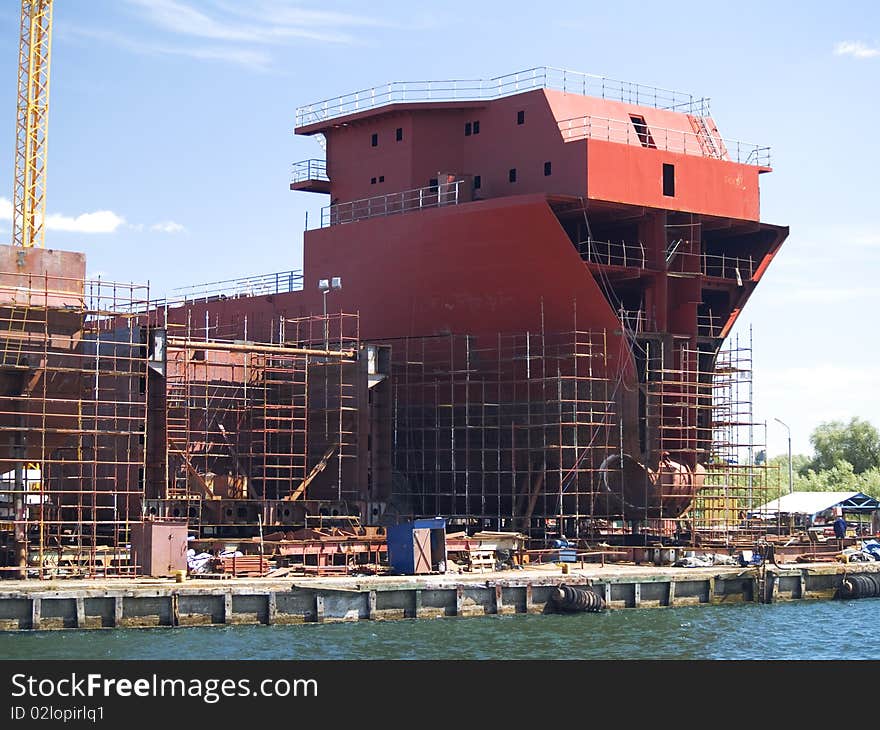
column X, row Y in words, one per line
column 478, row 182
column 476, row 127
column 467, row 129
column 520, row 117
column 374, row 140
column 548, row 169
column 642, row 130
column 669, row 180
column 381, row 178
column 398, row 135
column 372, row 181
column 432, row 185
column 511, row 175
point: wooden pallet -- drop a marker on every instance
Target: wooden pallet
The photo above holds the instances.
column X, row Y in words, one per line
column 481, row 561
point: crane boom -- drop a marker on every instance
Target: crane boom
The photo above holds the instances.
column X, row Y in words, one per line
column 32, row 126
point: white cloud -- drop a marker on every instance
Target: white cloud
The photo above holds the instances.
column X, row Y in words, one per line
column 101, row 221
column 857, row 49
column 167, row 227
column 277, row 22
column 235, row 34
column 252, row 59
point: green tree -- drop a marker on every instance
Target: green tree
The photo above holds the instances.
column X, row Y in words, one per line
column 856, row 442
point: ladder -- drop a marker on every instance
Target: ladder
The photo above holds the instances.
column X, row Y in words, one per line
column 707, row 140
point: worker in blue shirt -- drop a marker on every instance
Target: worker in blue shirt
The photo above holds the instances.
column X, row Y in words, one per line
column 840, row 527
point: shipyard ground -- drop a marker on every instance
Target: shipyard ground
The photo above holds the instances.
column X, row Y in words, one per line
column 151, row 602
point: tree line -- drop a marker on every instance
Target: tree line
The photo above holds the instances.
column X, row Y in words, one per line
column 846, row 458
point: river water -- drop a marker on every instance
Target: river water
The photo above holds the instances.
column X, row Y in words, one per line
column 792, row 630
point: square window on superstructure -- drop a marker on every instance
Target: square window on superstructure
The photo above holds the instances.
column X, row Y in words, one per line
column 511, row 175
column 381, row 178
column 372, row 181
column 374, row 140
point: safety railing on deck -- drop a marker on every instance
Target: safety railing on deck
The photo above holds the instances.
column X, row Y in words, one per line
column 313, row 169
column 278, row 282
column 685, row 142
column 709, row 325
column 432, row 196
column 541, row 77
column 635, row 321
column 632, row 255
column 721, row 266
column 612, row 253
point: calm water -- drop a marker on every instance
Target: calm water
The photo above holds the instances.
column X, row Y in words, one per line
column 809, row 630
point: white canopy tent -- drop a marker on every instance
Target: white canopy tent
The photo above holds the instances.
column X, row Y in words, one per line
column 810, row 508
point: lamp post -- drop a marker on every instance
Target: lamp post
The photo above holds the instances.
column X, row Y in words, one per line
column 788, row 430
column 326, row 286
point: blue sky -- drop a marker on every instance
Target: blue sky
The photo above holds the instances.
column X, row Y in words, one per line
column 171, row 140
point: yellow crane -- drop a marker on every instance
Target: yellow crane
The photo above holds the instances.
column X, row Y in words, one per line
column 32, row 125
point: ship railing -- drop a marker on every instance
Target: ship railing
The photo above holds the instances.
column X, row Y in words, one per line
column 612, row 253
column 278, row 282
column 686, row 142
column 636, row 321
column 313, row 169
column 721, row 266
column 540, row 77
column 406, row 201
column 709, row 325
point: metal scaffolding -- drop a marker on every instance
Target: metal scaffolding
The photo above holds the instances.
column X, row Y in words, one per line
column 72, row 423
column 504, row 433
column 254, row 433
column 526, row 432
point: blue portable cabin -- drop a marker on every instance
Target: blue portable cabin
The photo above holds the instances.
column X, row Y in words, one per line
column 417, row 547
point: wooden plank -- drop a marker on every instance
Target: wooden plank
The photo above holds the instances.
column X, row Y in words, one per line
column 670, row 601
column 36, row 609
column 80, row 612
